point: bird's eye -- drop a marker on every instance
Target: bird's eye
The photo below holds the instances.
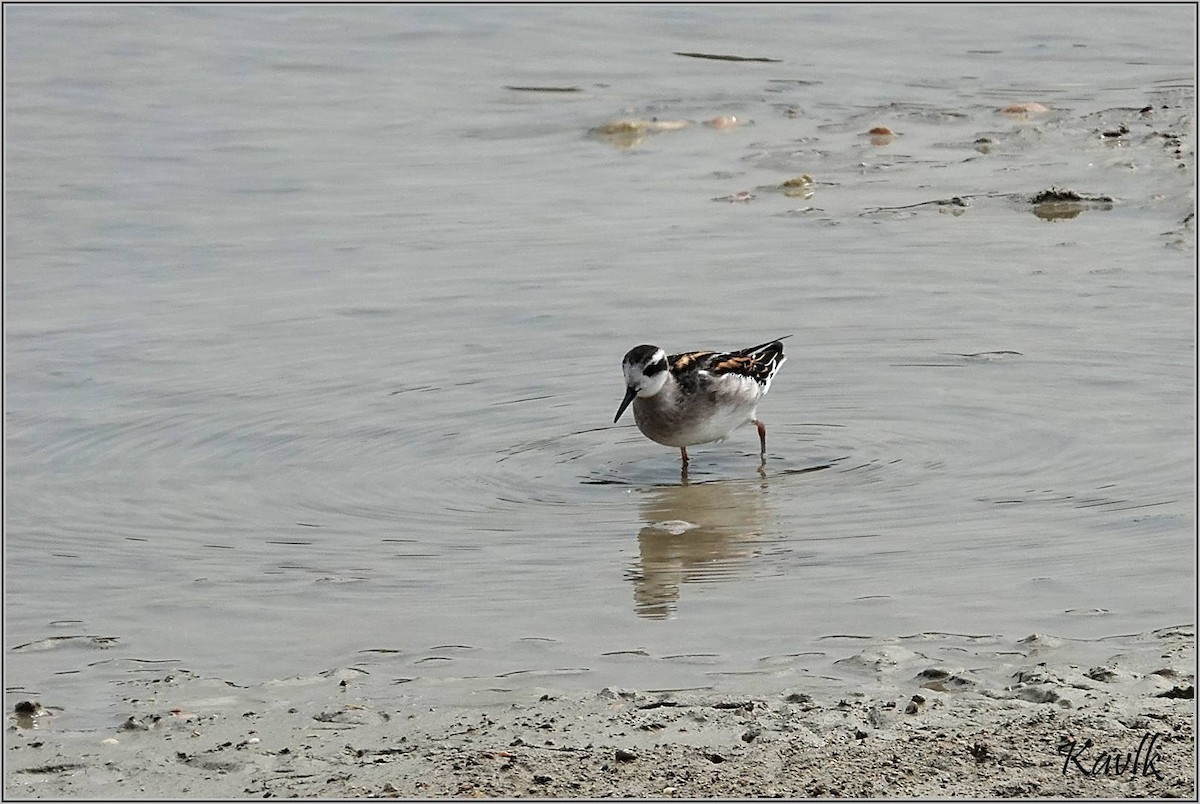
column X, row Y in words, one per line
column 655, row 368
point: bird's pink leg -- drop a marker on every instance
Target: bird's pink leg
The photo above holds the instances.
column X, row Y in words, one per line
column 762, row 438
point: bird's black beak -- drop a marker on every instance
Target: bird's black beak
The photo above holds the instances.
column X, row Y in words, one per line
column 629, row 395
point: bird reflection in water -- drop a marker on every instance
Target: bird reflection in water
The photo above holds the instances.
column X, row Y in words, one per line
column 694, row 533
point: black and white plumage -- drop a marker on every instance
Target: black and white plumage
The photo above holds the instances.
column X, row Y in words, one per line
column 698, row 397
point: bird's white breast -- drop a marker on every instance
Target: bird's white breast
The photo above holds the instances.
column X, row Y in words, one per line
column 680, row 419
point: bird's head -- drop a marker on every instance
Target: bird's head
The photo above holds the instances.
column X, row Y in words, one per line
column 646, row 371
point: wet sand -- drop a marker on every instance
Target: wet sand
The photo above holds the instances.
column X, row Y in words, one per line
column 995, row 295
column 1044, row 718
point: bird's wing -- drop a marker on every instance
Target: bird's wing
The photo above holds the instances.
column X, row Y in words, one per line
column 688, row 362
column 753, row 349
column 757, row 362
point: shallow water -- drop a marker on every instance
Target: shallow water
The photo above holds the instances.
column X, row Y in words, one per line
column 314, row 333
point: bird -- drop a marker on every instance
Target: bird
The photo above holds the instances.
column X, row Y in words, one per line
column 698, row 397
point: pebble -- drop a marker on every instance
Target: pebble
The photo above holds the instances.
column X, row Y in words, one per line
column 914, row 705
column 799, row 187
column 110, row 741
column 881, row 135
column 800, row 181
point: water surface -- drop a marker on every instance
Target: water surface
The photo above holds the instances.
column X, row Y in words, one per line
column 313, row 337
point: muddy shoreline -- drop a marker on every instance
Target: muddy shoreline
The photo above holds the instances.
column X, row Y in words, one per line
column 1049, row 720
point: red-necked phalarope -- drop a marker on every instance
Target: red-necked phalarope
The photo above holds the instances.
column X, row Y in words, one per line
column 698, row 397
